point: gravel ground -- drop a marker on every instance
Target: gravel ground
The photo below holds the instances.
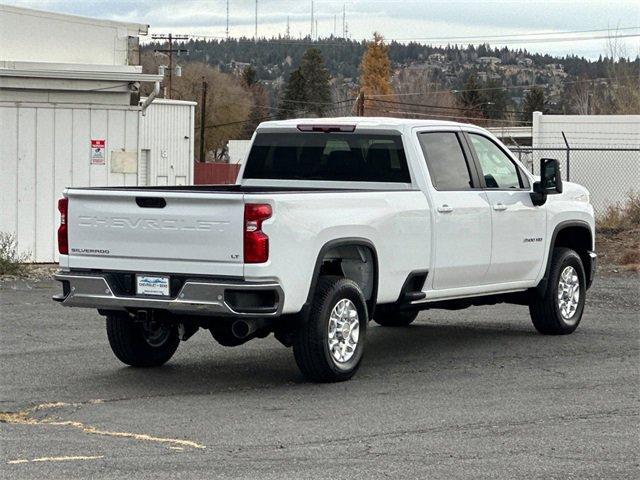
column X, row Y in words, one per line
column 468, row 394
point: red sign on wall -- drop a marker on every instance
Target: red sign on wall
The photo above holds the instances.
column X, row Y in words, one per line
column 97, row 152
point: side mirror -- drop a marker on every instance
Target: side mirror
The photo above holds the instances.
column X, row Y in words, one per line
column 550, row 181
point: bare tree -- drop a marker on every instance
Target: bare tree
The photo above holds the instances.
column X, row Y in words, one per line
column 228, row 103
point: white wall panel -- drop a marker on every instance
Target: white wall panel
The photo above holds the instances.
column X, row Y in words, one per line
column 45, row 197
column 9, row 172
column 115, row 128
column 81, row 147
column 26, row 184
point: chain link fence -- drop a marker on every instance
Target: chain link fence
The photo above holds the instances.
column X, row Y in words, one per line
column 609, row 174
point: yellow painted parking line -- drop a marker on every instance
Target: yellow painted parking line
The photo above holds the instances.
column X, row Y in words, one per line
column 56, row 459
column 25, row 417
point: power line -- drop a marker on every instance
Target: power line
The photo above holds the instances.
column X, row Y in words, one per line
column 479, row 107
column 505, row 39
column 519, row 35
column 512, row 87
column 170, row 38
column 400, row 112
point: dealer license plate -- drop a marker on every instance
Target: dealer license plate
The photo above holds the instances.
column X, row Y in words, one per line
column 148, row 285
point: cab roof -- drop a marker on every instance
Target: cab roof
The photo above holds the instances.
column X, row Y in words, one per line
column 363, row 122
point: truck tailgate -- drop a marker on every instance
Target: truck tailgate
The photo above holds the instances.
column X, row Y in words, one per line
column 151, row 231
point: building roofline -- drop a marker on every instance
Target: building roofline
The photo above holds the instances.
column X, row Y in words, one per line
column 139, row 28
column 170, row 101
column 117, row 76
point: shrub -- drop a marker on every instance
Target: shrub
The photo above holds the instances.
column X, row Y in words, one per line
column 12, row 263
column 620, row 217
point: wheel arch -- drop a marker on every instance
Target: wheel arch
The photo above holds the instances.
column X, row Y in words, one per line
column 574, row 234
column 342, row 249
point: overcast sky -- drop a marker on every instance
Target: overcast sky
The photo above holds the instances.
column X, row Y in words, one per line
column 427, row 21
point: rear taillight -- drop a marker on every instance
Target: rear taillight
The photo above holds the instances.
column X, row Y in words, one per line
column 256, row 243
column 63, row 238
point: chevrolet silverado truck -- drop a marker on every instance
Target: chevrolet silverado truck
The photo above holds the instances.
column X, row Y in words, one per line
column 331, row 223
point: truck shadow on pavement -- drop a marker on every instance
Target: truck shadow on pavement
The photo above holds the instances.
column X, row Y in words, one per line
column 217, row 369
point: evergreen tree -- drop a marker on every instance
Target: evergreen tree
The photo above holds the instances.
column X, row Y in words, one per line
column 260, row 108
column 249, row 76
column 534, row 101
column 493, row 100
column 307, row 92
column 317, row 90
column 470, row 96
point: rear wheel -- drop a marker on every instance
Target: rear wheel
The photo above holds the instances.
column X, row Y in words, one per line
column 141, row 344
column 329, row 343
column 558, row 310
column 394, row 318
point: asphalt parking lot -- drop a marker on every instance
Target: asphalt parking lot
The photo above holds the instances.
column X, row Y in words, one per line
column 468, row 394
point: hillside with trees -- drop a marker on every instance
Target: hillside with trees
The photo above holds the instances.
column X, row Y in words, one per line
column 252, row 81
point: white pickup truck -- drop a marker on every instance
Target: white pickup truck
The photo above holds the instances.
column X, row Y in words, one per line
column 332, row 223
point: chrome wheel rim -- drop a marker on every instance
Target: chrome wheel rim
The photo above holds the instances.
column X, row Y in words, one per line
column 155, row 333
column 344, row 331
column 568, row 294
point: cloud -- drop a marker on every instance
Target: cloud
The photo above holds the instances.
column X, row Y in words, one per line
column 394, row 18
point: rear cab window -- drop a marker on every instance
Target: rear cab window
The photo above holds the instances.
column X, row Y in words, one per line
column 336, row 156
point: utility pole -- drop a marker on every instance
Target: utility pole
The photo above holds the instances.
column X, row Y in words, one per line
column 227, row 19
column 311, row 19
column 288, row 31
column 344, row 17
column 203, row 108
column 316, row 29
column 255, row 35
column 360, row 104
column 170, row 38
column 335, row 19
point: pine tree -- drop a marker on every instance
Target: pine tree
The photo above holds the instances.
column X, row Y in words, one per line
column 470, row 96
column 307, row 92
column 317, row 90
column 534, row 101
column 375, row 69
column 249, row 76
column 493, row 100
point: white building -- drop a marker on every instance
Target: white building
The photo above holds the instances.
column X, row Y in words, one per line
column 604, row 156
column 71, row 116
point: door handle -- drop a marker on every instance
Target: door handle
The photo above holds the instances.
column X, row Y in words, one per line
column 445, row 208
column 499, row 207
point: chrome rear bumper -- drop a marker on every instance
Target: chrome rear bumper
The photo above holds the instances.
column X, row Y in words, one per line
column 196, row 296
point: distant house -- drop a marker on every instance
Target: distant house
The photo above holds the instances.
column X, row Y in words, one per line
column 489, row 60
column 437, row 58
column 238, row 67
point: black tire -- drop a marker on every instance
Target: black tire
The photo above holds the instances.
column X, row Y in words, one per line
column 395, row 318
column 135, row 345
column 310, row 340
column 544, row 309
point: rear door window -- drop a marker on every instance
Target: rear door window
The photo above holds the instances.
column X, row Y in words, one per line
column 446, row 161
column 355, row 157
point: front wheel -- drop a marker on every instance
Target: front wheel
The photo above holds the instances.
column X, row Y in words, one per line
column 329, row 343
column 558, row 310
column 141, row 344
